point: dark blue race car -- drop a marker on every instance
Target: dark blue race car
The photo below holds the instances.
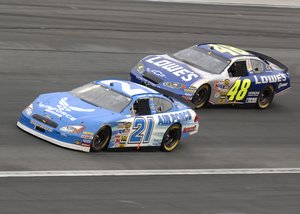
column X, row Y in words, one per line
column 109, row 114
column 216, row 74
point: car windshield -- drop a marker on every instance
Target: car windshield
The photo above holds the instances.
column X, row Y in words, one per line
column 101, row 96
column 203, row 59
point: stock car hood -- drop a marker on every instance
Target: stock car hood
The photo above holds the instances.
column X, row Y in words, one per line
column 169, row 70
column 64, row 108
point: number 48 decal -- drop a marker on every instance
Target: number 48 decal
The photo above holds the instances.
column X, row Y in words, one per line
column 239, row 90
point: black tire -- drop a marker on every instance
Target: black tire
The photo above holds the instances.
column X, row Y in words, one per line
column 201, row 97
column 171, row 138
column 265, row 97
column 101, row 139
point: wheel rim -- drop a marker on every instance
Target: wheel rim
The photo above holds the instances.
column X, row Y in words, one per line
column 266, row 97
column 100, row 139
column 171, row 139
column 200, row 97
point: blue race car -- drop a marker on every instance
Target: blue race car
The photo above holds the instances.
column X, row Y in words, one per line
column 216, row 74
column 109, row 114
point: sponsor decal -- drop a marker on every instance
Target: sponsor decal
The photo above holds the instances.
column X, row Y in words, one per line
column 253, row 93
column 156, row 141
column 177, row 70
column 84, row 136
column 249, row 65
column 85, row 144
column 127, row 125
column 190, row 90
column 156, row 72
column 222, row 100
column 174, row 117
column 187, row 97
column 63, row 134
column 280, row 85
column 117, row 138
column 88, row 133
column 86, row 140
column 228, row 49
column 270, row 78
column 124, row 138
column 42, row 126
column 174, row 85
column 126, row 131
column 124, row 125
column 77, row 142
column 189, row 129
column 62, row 108
column 251, row 100
column 221, row 87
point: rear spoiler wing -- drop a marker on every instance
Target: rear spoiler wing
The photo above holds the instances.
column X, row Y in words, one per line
column 270, row 59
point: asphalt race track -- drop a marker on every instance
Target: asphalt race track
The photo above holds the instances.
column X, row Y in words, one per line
column 57, row 45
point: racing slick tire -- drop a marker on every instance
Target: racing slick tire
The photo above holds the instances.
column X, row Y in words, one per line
column 101, row 139
column 201, row 97
column 265, row 97
column 171, row 138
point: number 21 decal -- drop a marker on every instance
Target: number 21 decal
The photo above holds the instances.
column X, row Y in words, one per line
column 143, row 130
column 239, row 90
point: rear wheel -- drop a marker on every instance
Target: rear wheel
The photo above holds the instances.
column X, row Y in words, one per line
column 101, row 139
column 201, row 96
column 171, row 138
column 265, row 97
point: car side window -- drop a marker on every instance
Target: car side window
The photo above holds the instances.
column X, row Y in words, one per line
column 238, row 69
column 257, row 66
column 141, row 107
column 162, row 105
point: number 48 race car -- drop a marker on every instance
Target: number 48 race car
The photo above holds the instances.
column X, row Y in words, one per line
column 216, row 74
column 109, row 114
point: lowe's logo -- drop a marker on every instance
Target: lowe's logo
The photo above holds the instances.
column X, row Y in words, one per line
column 179, row 71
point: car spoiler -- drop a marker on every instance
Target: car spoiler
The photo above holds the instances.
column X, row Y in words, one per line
column 270, row 59
column 173, row 96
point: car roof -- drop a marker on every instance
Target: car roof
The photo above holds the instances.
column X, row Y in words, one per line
column 125, row 87
column 226, row 51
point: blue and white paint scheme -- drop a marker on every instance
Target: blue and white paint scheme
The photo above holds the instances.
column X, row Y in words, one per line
column 70, row 121
column 184, row 72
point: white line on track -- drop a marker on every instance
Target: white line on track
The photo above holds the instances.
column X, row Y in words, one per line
column 75, row 173
column 255, row 3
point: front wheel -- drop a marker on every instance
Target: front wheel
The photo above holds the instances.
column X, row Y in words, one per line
column 101, row 139
column 201, row 96
column 265, row 97
column 171, row 138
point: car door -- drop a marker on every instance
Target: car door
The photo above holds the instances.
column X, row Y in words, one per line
column 233, row 85
column 137, row 128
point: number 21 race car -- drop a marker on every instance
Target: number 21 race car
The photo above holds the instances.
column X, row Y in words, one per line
column 109, row 114
column 216, row 74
